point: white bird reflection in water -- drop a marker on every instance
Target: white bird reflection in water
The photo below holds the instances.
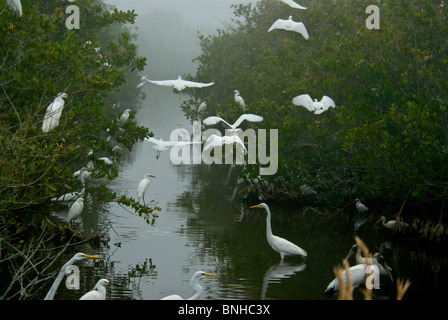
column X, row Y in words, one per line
column 279, row 271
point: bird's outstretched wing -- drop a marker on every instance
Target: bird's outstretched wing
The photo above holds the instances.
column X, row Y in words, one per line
column 327, row 102
column 249, row 117
column 300, row 28
column 278, row 24
column 304, row 100
column 193, row 84
column 166, row 83
column 214, row 120
column 292, row 4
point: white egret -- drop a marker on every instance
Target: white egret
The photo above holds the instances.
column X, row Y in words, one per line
column 202, row 107
column 195, row 285
column 360, row 206
column 106, row 160
column 217, row 141
column 53, row 113
column 392, row 224
column 357, row 275
column 124, row 117
column 238, row 99
column 77, row 257
column 292, row 4
column 247, row 116
column 307, row 190
column 364, row 260
column 70, row 196
column 280, row 245
column 98, row 292
column 162, row 145
column 75, row 210
column 15, row 6
column 181, row 84
column 83, row 174
column 314, row 106
column 290, row 25
column 142, row 186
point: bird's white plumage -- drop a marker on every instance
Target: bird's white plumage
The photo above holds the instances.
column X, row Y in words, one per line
column 15, row 6
column 290, row 25
column 293, row 4
column 53, row 113
column 278, row 244
column 195, row 285
column 392, row 224
column 214, row 141
column 180, row 84
column 360, row 206
column 314, row 106
column 238, row 99
column 143, row 185
column 244, row 117
column 75, row 210
column 70, row 196
column 124, row 116
column 98, row 292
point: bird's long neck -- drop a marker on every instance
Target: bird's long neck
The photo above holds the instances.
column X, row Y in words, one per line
column 197, row 288
column 268, row 223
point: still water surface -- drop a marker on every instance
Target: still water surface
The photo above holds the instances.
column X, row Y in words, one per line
column 202, row 227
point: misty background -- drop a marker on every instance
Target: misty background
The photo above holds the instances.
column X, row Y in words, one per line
column 168, row 31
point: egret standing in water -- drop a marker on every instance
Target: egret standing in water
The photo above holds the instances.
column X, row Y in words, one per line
column 280, row 245
column 195, row 285
column 53, row 113
column 77, row 257
column 98, row 292
column 142, row 186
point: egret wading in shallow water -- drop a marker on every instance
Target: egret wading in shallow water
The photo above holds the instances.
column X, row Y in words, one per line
column 280, row 245
column 195, row 285
column 357, row 275
column 77, row 257
column 392, row 224
column 53, row 113
column 142, row 186
column 290, row 25
column 98, row 292
column 238, row 99
column 315, row 106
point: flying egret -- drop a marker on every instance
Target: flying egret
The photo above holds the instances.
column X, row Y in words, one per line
column 15, row 6
column 238, row 99
column 195, row 285
column 181, row 84
column 142, row 186
column 290, row 25
column 360, row 207
column 247, row 116
column 75, row 210
column 292, row 4
column 77, row 257
column 53, row 113
column 217, row 141
column 357, row 275
column 280, row 245
column 314, row 106
column 162, row 145
column 98, row 292
column 124, row 117
column 392, row 224
column 364, row 260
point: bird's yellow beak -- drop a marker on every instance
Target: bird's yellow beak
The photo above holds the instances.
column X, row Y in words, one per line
column 210, row 274
column 88, row 256
column 256, row 206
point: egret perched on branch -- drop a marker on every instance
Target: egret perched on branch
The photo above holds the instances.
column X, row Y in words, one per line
column 15, row 6
column 392, row 224
column 98, row 292
column 53, row 113
column 292, row 4
column 290, row 25
column 195, row 285
column 357, row 275
column 142, row 186
column 77, row 257
column 280, row 245
column 314, row 106
column 238, row 99
column 248, row 117
column 360, row 207
column 124, row 117
column 75, row 210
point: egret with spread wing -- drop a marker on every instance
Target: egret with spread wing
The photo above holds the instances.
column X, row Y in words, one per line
column 248, row 117
column 181, row 84
column 290, row 25
column 314, row 106
column 217, row 141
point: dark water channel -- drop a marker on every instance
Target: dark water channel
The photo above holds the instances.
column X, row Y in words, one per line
column 201, row 227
